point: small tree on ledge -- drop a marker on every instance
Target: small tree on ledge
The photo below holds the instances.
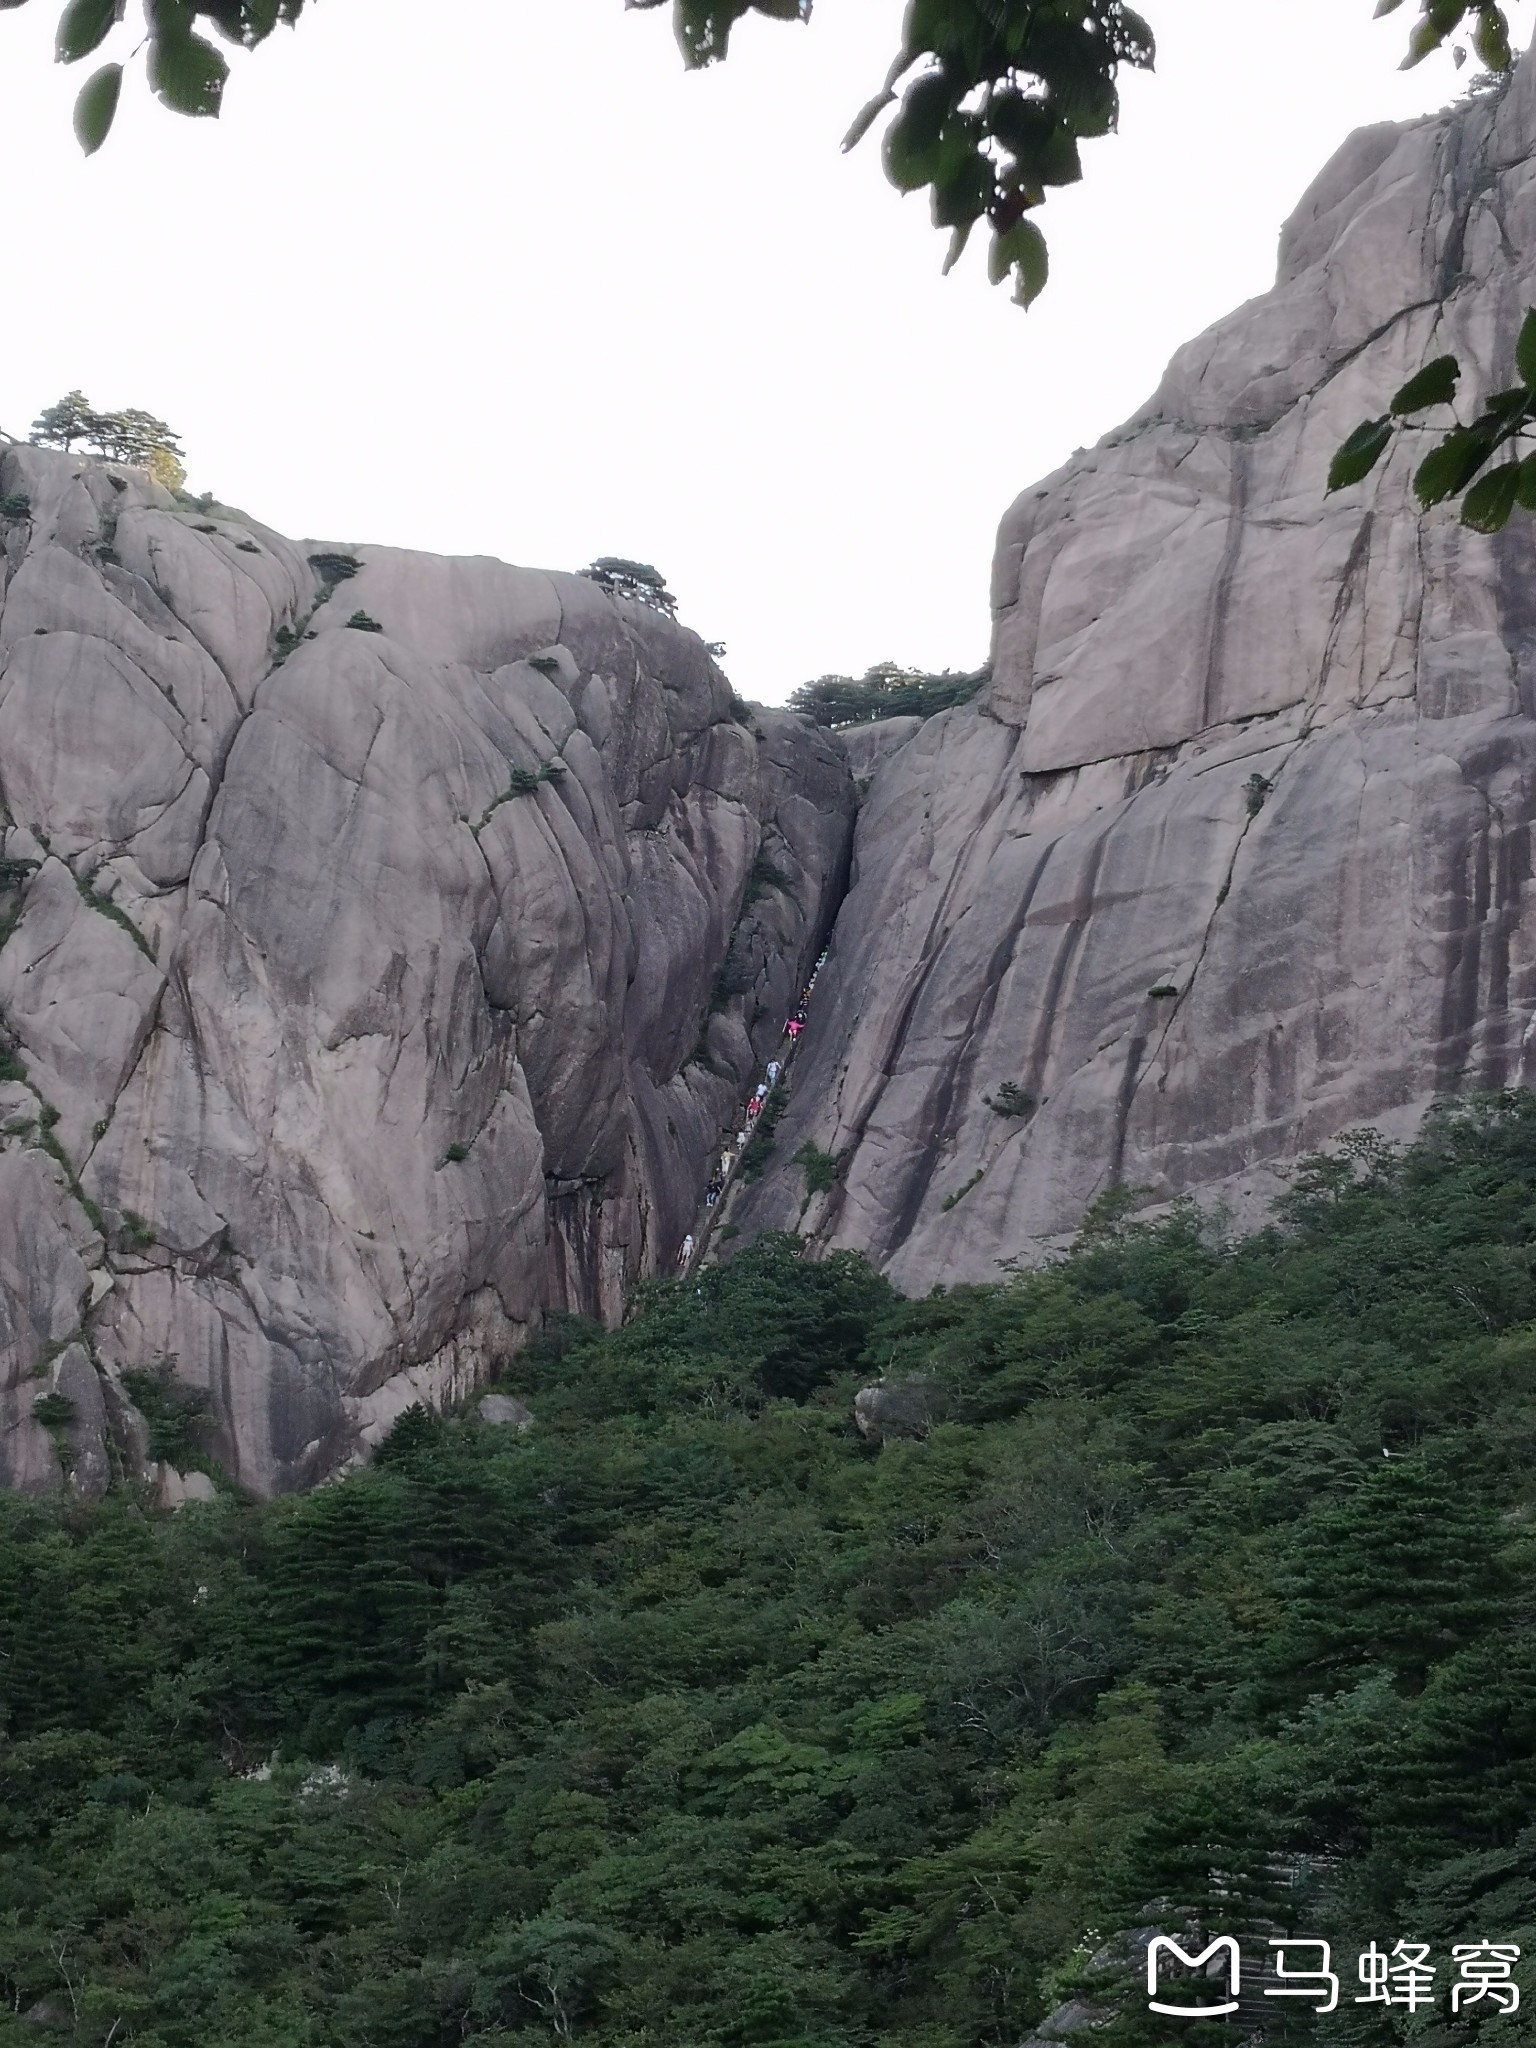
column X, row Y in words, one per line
column 636, row 580
column 61, row 425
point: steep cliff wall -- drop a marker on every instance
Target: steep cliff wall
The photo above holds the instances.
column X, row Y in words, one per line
column 1237, row 850
column 334, row 1045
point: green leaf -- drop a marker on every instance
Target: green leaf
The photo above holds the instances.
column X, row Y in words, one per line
column 82, row 26
column 1022, row 250
column 1525, row 349
column 1425, row 39
column 1451, row 465
column 1525, row 489
column 866, row 118
column 957, row 242
column 187, row 73
column 1490, row 39
column 913, row 144
column 1359, row 455
column 962, row 190
column 1435, row 384
column 1487, row 506
column 96, row 106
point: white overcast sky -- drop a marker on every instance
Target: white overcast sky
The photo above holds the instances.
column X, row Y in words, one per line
column 498, row 277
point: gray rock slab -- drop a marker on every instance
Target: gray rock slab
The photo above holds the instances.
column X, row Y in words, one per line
column 366, row 982
column 1234, row 854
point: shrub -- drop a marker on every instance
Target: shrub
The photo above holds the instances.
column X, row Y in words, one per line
column 1009, row 1099
column 137, row 1231
column 638, row 581
column 763, row 877
column 821, row 1168
column 54, row 1411
column 334, row 568
column 457, row 1154
column 758, row 1150
column 361, row 623
column 15, row 505
column 1163, row 988
column 1256, row 788
column 173, row 1413
column 952, row 1201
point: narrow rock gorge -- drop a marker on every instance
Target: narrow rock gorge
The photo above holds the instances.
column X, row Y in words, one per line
column 388, row 941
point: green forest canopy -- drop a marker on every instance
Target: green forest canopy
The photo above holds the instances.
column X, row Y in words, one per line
column 689, row 1717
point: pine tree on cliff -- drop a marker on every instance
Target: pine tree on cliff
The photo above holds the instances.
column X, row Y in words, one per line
column 61, row 425
column 131, row 436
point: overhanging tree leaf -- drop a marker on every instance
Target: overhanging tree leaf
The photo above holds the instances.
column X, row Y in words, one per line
column 1023, row 248
column 1435, row 384
column 957, row 242
column 1451, row 466
column 913, row 148
column 1525, row 349
column 1525, row 489
column 1359, row 455
column 1490, row 38
column 96, row 106
column 1487, row 506
column 187, row 73
column 83, row 25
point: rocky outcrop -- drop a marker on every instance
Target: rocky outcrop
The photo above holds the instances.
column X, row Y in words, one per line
column 386, row 941
column 1235, row 852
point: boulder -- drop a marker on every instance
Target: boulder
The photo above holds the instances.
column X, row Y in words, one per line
column 896, row 1408
column 505, row 1411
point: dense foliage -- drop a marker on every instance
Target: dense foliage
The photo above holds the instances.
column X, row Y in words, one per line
column 884, row 691
column 691, row 1718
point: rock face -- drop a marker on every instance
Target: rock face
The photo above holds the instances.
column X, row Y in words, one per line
column 385, row 944
column 1236, row 851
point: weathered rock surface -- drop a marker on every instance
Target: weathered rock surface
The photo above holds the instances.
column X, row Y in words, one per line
column 363, row 993
column 1236, row 851
column 380, row 965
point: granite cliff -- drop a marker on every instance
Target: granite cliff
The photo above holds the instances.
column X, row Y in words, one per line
column 1236, row 851
column 387, row 942
column 386, row 939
